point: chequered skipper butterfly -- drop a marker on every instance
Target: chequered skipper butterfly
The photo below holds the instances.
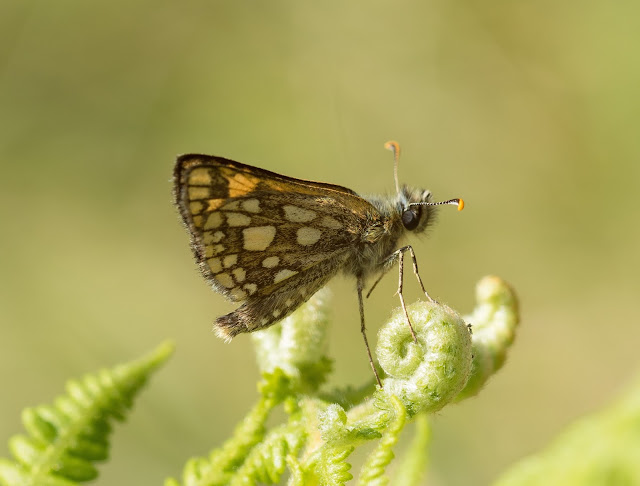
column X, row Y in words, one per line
column 271, row 241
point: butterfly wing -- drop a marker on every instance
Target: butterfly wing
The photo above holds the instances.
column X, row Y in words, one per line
column 265, row 239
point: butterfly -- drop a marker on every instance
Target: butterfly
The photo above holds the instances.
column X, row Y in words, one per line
column 269, row 241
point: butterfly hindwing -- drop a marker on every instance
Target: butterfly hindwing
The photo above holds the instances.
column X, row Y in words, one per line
column 260, row 312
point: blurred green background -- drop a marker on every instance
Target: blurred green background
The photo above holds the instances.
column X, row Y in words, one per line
column 528, row 110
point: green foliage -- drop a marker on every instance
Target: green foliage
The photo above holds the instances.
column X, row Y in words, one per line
column 413, row 466
column 448, row 363
column 428, row 374
column 296, row 347
column 323, row 428
column 379, row 459
column 494, row 322
column 600, row 450
column 65, row 439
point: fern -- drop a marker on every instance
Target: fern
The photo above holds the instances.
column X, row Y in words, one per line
column 414, row 464
column 267, row 462
column 324, row 427
column 373, row 469
column 448, row 363
column 65, row 439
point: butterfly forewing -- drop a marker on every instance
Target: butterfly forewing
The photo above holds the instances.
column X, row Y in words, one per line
column 263, row 238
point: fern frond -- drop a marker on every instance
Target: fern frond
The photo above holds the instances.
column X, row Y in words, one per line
column 323, row 429
column 296, row 477
column 64, row 440
column 495, row 320
column 221, row 463
column 372, row 471
column 332, row 468
column 413, row 466
column 267, row 461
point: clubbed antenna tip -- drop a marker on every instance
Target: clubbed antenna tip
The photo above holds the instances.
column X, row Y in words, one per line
column 455, row 202
column 395, row 148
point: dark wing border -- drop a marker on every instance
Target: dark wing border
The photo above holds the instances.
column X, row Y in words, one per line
column 187, row 161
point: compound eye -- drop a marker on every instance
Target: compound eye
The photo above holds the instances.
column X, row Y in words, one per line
column 410, row 219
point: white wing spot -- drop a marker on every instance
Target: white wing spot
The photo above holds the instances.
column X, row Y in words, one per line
column 331, row 223
column 239, row 274
column 270, row 262
column 264, row 321
column 214, row 265
column 230, row 261
column 238, row 294
column 250, row 287
column 298, row 215
column 276, row 313
column 225, row 280
column 196, row 207
column 258, row 238
column 283, row 274
column 200, row 177
column 308, row 236
column 196, row 192
column 211, row 250
column 213, row 221
column 288, row 302
column 207, row 239
column 232, row 206
column 251, row 205
column 238, row 219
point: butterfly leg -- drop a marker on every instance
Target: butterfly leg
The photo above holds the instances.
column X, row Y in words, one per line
column 415, row 271
column 386, row 266
column 363, row 329
column 400, row 257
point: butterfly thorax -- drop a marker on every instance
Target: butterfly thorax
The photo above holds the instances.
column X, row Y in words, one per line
column 386, row 225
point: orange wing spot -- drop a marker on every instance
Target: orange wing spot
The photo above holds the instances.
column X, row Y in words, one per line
column 213, row 204
column 241, row 185
column 274, row 186
column 460, row 204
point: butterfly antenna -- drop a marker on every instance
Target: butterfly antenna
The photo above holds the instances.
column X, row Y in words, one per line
column 456, row 202
column 395, row 148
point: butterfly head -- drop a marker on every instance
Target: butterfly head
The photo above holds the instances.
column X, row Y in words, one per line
column 416, row 208
column 415, row 215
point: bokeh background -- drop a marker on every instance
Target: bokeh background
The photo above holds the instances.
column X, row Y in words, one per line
column 528, row 110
